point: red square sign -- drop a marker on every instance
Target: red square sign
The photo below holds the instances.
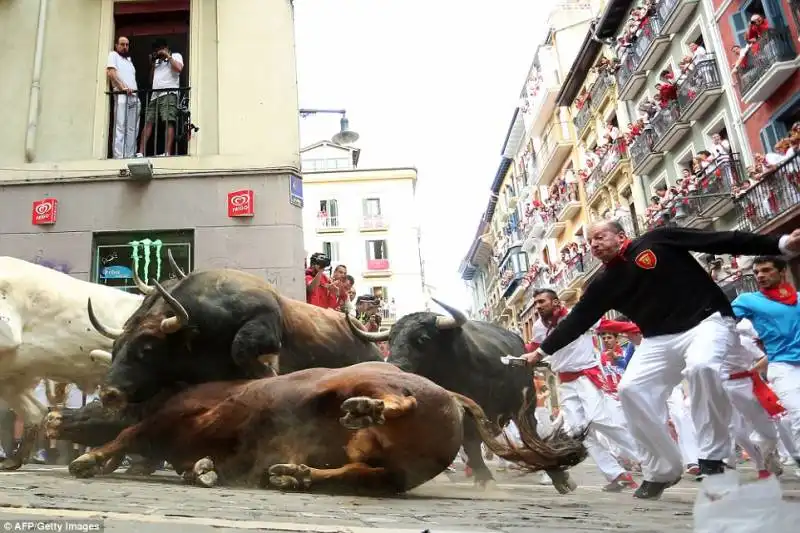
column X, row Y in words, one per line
column 44, row 211
column 240, row 203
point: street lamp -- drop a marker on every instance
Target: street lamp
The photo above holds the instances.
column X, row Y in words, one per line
column 345, row 135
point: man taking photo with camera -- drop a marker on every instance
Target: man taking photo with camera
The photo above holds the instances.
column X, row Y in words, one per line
column 318, row 284
column 165, row 74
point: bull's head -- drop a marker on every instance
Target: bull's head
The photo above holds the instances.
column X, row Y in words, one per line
column 144, row 288
column 141, row 350
column 411, row 336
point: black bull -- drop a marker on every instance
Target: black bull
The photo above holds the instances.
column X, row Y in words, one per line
column 463, row 356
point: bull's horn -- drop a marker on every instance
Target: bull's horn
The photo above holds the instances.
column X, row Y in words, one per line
column 181, row 318
column 175, row 268
column 100, row 356
column 111, row 333
column 369, row 336
column 454, row 321
column 143, row 287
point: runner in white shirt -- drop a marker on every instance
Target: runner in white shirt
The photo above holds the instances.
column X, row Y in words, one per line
column 584, row 403
column 163, row 105
column 122, row 75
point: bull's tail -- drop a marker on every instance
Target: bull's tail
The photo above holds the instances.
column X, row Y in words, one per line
column 557, row 452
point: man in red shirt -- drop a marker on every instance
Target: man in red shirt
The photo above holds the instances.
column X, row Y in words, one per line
column 318, row 284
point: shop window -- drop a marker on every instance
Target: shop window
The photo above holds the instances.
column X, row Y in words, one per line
column 116, row 256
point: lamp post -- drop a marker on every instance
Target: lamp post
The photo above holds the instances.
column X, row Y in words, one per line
column 346, row 135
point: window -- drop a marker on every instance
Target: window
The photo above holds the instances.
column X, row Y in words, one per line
column 380, row 292
column 377, row 250
column 781, row 124
column 329, row 207
column 143, row 23
column 117, row 255
column 331, row 249
column 769, row 9
column 372, row 207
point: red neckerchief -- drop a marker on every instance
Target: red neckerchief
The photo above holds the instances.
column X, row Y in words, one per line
column 621, row 254
column 784, row 293
column 553, row 322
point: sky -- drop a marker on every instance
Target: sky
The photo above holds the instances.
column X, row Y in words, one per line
column 431, row 84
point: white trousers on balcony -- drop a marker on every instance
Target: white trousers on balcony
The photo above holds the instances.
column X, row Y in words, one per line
column 785, row 381
column 126, row 125
column 584, row 405
column 656, row 368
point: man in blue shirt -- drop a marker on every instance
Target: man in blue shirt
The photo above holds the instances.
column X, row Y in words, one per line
column 775, row 313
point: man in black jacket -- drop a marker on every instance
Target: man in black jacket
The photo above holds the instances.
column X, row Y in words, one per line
column 688, row 328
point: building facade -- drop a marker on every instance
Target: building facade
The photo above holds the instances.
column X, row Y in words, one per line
column 230, row 194
column 364, row 219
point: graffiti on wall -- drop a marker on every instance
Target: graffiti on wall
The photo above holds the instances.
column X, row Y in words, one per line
column 56, row 264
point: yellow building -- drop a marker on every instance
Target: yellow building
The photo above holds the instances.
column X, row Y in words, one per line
column 231, row 183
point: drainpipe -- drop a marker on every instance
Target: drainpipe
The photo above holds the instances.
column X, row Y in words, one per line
column 712, row 30
column 33, row 106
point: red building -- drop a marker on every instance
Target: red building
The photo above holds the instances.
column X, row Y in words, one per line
column 767, row 78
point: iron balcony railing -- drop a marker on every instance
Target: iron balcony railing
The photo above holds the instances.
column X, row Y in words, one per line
column 583, row 117
column 630, row 60
column 600, row 86
column 551, row 138
column 650, row 31
column 775, row 194
column 617, row 150
column 664, row 8
column 153, row 122
column 716, row 184
column 704, row 75
column 327, row 222
column 737, row 284
column 774, row 46
column 641, row 147
column 574, row 269
column 665, row 119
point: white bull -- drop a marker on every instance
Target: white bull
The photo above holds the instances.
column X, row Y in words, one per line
column 45, row 333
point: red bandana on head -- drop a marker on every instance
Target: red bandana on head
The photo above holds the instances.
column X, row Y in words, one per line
column 620, row 254
column 783, row 293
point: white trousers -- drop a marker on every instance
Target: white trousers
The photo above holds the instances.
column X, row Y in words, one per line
column 584, row 405
column 785, row 381
column 658, row 366
column 126, row 125
column 741, row 431
column 687, row 436
column 786, row 445
column 544, row 426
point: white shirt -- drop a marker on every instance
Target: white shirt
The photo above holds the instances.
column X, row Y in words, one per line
column 723, row 148
column 124, row 67
column 165, row 77
column 577, row 355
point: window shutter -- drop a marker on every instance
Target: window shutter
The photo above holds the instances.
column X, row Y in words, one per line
column 774, row 13
column 385, row 249
column 769, row 136
column 333, row 208
column 366, row 246
column 739, row 23
column 364, row 207
column 335, row 251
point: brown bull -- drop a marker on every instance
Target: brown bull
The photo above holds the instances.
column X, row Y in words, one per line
column 368, row 427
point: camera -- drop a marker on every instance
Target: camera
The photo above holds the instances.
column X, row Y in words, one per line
column 320, row 260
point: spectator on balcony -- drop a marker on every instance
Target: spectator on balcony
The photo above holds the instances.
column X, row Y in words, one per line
column 163, row 106
column 667, row 89
column 122, row 75
column 758, row 26
column 720, row 148
column 740, row 62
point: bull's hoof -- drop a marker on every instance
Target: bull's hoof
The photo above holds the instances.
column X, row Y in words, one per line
column 562, row 481
column 52, row 425
column 290, row 477
column 112, row 464
column 362, row 412
column 10, row 464
column 85, row 466
column 202, row 474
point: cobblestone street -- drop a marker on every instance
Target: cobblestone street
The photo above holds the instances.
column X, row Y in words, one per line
column 519, row 504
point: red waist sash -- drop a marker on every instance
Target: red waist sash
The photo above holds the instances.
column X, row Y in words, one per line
column 594, row 374
column 762, row 391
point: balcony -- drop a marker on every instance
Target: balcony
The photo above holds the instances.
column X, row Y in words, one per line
column 767, row 69
column 668, row 127
column 554, row 229
column 600, row 90
column 643, row 158
column 737, row 284
column 567, row 281
column 651, row 44
column 674, row 14
column 583, row 119
column 377, row 268
column 328, row 224
column 713, row 197
column 701, row 88
column 153, row 105
column 776, row 196
column 629, row 79
column 542, row 103
column 513, row 268
column 606, row 169
column 534, row 232
column 373, row 223
column 555, row 148
column 568, row 205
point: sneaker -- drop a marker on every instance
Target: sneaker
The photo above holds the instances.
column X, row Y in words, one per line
column 693, row 470
column 652, row 490
column 772, row 462
column 139, row 154
column 622, row 482
column 709, row 467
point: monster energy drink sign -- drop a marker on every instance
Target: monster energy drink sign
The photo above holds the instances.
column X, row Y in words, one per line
column 142, row 252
